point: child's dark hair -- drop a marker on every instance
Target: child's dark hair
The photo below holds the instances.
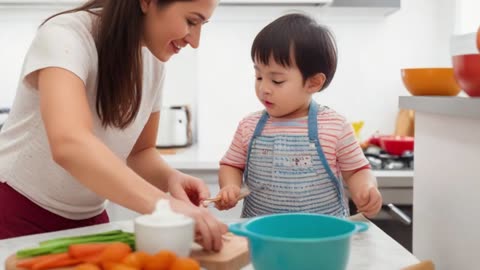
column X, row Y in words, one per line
column 312, row 44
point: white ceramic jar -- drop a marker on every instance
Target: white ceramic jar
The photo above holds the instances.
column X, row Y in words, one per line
column 164, row 229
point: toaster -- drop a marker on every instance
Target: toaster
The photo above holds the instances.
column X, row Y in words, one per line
column 174, row 127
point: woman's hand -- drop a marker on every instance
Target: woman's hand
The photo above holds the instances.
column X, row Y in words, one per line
column 187, row 188
column 207, row 228
column 228, row 197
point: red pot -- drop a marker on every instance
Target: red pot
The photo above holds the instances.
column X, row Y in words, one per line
column 466, row 68
column 375, row 139
column 397, row 145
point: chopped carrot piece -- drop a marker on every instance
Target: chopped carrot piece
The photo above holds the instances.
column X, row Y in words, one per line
column 63, row 260
column 114, row 252
column 185, row 264
column 136, row 259
column 28, row 263
column 87, row 266
column 86, row 250
column 163, row 260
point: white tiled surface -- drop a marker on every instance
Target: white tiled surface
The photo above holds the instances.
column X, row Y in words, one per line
column 371, row 250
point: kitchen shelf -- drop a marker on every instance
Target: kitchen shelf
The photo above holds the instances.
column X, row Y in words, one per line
column 261, row 8
column 40, row 3
column 449, row 106
column 275, row 2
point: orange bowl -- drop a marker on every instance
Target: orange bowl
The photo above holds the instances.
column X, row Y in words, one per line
column 430, row 81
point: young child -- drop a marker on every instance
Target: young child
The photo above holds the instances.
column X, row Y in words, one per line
column 294, row 154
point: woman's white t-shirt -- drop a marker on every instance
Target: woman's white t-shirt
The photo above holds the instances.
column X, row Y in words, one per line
column 26, row 162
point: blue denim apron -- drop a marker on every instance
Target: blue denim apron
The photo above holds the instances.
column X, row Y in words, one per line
column 289, row 173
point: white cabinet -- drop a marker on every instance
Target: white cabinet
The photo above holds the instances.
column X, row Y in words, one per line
column 446, row 180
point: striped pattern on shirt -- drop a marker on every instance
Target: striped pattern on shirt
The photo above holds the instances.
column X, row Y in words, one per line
column 336, row 136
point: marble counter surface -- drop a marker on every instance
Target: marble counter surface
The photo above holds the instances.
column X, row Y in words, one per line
column 371, row 250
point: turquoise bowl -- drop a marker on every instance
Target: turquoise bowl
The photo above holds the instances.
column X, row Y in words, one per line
column 298, row 241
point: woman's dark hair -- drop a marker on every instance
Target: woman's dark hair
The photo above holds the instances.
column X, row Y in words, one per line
column 117, row 35
column 299, row 38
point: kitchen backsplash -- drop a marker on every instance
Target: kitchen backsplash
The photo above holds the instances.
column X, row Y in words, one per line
column 217, row 80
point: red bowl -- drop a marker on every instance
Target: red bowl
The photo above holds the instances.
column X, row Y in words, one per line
column 397, row 145
column 466, row 68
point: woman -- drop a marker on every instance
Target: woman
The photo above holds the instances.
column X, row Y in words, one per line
column 83, row 125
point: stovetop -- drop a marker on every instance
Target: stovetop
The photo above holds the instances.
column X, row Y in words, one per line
column 380, row 160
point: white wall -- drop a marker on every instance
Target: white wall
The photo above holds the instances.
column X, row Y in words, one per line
column 467, row 16
column 17, row 29
column 217, row 80
column 367, row 83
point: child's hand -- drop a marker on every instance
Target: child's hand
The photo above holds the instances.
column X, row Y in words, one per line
column 228, row 195
column 368, row 202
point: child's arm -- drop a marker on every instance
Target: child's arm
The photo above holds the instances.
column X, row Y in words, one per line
column 363, row 190
column 230, row 180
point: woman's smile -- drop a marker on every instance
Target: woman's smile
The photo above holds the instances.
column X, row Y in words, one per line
column 175, row 47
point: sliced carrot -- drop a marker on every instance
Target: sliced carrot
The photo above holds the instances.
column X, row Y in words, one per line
column 63, row 260
column 136, row 259
column 160, row 261
column 86, row 250
column 121, row 266
column 115, row 252
column 117, row 266
column 92, row 259
column 87, row 266
column 28, row 263
column 108, row 265
column 185, row 264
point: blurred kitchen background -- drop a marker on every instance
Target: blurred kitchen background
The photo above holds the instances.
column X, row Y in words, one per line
column 209, row 90
column 375, row 40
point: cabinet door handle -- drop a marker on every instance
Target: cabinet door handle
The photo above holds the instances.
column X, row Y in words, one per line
column 404, row 218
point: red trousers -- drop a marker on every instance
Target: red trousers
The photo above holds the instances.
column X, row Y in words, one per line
column 19, row 216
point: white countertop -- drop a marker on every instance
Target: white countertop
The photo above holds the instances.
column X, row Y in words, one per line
column 203, row 158
column 371, row 250
column 451, row 106
column 196, row 157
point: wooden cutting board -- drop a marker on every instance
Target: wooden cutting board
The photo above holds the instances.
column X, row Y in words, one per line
column 233, row 256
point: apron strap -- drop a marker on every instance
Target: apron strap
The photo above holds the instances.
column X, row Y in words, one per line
column 261, row 124
column 312, row 121
column 258, row 131
column 313, row 137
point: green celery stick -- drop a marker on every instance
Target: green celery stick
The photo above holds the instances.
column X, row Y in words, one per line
column 115, row 232
column 59, row 245
column 92, row 239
